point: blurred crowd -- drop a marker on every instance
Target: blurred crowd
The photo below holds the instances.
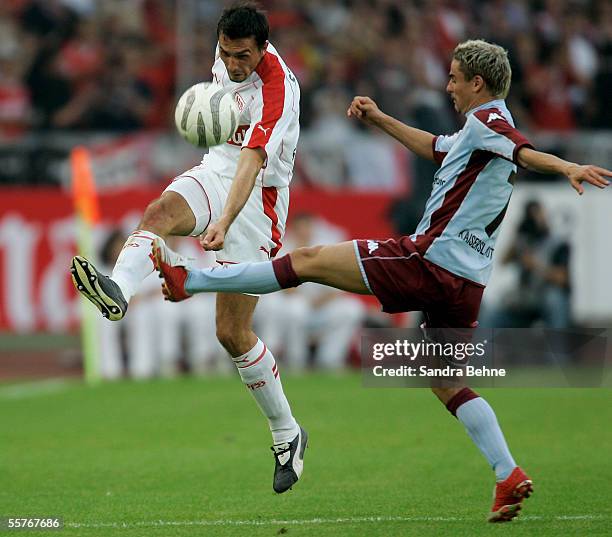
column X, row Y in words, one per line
column 111, row 65
column 398, row 51
column 74, row 66
column 85, row 65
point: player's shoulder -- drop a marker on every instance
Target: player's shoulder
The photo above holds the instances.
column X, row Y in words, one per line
column 491, row 116
column 271, row 68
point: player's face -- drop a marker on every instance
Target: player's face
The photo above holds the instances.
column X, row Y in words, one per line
column 240, row 56
column 460, row 89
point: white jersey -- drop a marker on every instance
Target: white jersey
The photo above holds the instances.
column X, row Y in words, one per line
column 269, row 102
column 470, row 192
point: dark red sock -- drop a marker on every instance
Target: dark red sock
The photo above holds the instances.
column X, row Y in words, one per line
column 459, row 398
column 283, row 270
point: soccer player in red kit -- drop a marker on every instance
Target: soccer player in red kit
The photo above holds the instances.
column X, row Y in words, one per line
column 443, row 267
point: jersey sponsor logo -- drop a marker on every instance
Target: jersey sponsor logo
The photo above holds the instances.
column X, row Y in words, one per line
column 264, row 249
column 493, row 116
column 265, row 131
column 476, row 243
column 256, row 385
column 439, row 182
column 372, row 245
column 239, row 135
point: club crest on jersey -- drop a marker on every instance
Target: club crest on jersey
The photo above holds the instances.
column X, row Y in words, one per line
column 372, row 245
column 239, row 101
column 493, row 116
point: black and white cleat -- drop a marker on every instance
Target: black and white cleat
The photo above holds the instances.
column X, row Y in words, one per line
column 289, row 458
column 100, row 290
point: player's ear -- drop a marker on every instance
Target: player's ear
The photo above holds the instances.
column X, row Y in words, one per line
column 478, row 83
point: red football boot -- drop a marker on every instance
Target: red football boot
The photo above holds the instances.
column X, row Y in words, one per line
column 172, row 267
column 508, row 496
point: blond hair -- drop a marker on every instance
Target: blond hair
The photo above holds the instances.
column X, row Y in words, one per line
column 478, row 57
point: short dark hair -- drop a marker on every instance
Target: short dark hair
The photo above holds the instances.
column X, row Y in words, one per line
column 242, row 20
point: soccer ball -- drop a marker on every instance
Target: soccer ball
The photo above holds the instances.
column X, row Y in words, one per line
column 206, row 115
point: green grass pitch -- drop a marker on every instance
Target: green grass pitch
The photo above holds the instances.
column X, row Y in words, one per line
column 191, row 457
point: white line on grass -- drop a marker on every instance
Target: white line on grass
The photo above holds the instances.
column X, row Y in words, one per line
column 33, row 389
column 305, row 522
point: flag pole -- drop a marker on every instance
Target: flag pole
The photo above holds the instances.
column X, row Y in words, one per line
column 87, row 214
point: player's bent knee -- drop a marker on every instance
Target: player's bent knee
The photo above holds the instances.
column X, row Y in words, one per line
column 306, row 253
column 156, row 217
column 304, row 260
column 168, row 215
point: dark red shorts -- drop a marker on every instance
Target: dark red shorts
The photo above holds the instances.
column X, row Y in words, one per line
column 403, row 281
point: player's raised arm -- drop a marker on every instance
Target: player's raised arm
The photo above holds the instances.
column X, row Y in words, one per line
column 418, row 141
column 576, row 173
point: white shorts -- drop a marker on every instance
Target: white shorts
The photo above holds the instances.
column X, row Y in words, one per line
column 255, row 234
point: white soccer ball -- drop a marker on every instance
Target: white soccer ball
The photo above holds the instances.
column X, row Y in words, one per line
column 206, row 115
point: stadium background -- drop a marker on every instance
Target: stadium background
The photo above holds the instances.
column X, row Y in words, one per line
column 169, row 455
column 106, row 75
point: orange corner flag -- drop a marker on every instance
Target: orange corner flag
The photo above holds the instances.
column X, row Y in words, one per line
column 83, row 186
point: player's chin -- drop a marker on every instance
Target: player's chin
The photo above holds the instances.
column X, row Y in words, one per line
column 237, row 77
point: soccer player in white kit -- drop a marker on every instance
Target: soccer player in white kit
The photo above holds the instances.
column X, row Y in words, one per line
column 237, row 201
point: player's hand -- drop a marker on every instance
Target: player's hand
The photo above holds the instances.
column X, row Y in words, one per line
column 594, row 175
column 214, row 237
column 364, row 109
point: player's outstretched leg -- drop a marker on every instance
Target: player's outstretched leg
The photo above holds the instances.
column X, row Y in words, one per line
column 334, row 265
column 259, row 373
column 480, row 422
column 112, row 294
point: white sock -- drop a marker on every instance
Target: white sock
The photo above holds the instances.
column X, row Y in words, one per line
column 134, row 263
column 481, row 424
column 259, row 373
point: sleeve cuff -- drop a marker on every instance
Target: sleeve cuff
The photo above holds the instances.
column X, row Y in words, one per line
column 517, row 148
column 258, row 146
column 437, row 155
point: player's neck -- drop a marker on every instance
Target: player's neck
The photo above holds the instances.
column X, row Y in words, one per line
column 479, row 101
